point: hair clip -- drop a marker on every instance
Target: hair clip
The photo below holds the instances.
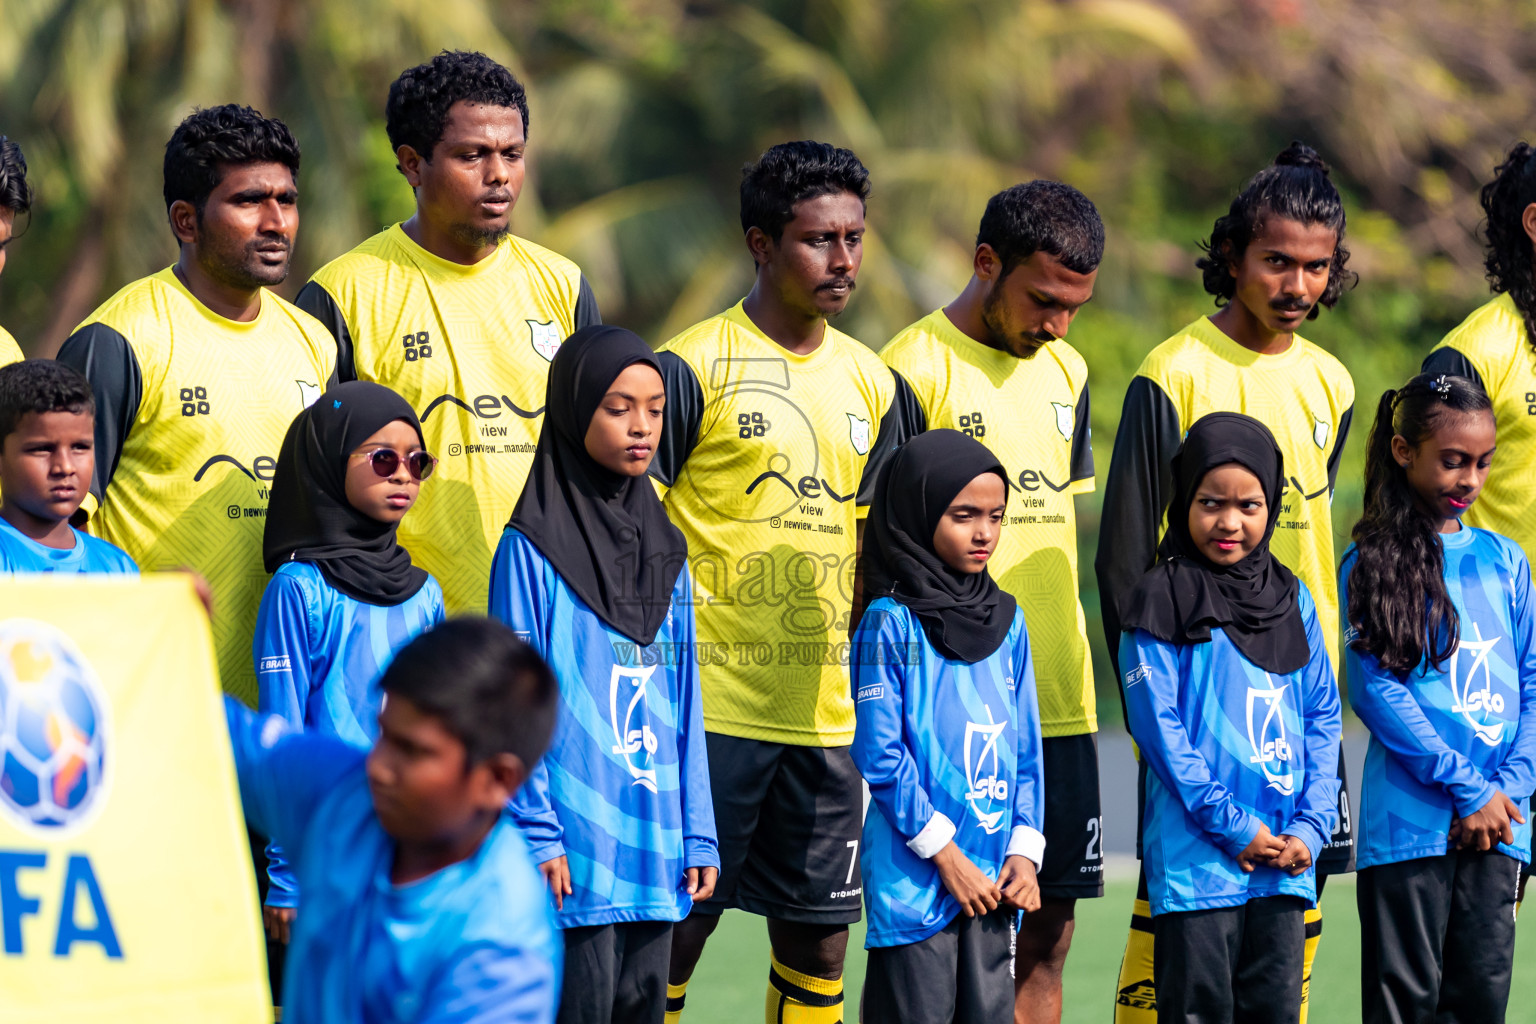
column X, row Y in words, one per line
column 1442, row 386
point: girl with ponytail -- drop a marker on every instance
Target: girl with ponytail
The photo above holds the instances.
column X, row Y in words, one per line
column 1441, row 662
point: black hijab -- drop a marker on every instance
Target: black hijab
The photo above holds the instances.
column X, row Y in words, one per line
column 1185, row 595
column 966, row 616
column 606, row 534
column 308, row 516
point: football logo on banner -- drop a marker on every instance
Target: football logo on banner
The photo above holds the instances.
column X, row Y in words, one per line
column 53, row 729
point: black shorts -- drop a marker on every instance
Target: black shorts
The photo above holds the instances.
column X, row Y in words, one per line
column 1338, row 857
column 962, row 975
column 1074, row 821
column 789, row 821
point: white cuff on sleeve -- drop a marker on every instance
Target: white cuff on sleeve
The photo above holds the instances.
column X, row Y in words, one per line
column 935, row 836
column 1027, row 842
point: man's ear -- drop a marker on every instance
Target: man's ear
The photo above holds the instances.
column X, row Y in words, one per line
column 183, row 217
column 506, row 773
column 986, row 264
column 759, row 245
column 1528, row 222
column 409, row 163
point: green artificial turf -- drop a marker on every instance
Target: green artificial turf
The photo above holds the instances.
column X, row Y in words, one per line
column 733, row 976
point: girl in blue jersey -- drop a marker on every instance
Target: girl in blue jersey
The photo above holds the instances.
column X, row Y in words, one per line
column 948, row 738
column 344, row 596
column 590, row 572
column 1442, row 670
column 1231, row 697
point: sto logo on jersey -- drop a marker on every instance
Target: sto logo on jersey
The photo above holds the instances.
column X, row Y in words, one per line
column 633, row 739
column 1271, row 750
column 1476, row 704
column 53, row 729
column 987, row 794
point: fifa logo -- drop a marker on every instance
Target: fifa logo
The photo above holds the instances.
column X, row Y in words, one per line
column 633, row 739
column 1267, row 737
column 1473, row 702
column 986, row 788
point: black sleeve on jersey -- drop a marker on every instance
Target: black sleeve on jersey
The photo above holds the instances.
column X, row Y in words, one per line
column 1337, row 455
column 903, row 421
column 317, row 302
column 1082, row 440
column 1135, row 497
column 586, row 306
column 106, row 359
column 680, row 420
column 1448, row 360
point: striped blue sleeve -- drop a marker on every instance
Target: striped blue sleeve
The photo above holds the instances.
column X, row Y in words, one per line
column 1399, row 724
column 879, row 751
column 700, row 845
column 1029, row 770
column 519, row 598
column 1317, row 807
column 281, row 648
column 1151, row 685
column 1516, row 776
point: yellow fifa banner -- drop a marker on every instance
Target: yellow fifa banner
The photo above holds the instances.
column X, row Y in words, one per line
column 126, row 889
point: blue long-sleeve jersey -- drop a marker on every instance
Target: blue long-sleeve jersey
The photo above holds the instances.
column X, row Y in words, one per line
column 623, row 793
column 1443, row 741
column 1230, row 747
column 474, row 943
column 950, row 750
column 319, row 655
column 20, row 553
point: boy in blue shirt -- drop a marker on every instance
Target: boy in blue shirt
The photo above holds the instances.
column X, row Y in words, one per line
column 421, row 903
column 948, row 737
column 47, row 455
column 1442, row 669
column 591, row 572
column 1230, row 695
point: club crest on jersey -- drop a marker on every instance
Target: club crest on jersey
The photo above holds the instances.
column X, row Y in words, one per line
column 1474, row 699
column 988, row 792
column 308, row 393
column 633, row 739
column 858, row 434
column 1066, row 419
column 1320, row 432
column 545, row 338
column 1266, row 734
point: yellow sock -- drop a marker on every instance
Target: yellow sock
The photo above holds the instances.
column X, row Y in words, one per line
column 1135, row 996
column 795, row 998
column 675, row 994
column 1314, row 921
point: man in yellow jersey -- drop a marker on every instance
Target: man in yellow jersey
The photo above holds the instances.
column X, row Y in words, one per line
column 198, row 371
column 15, row 201
column 1496, row 347
column 1275, row 260
column 454, row 312
column 776, row 424
column 993, row 364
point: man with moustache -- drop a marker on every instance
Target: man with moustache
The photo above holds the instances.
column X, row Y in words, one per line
column 199, row 369
column 1273, row 262
column 454, row 312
